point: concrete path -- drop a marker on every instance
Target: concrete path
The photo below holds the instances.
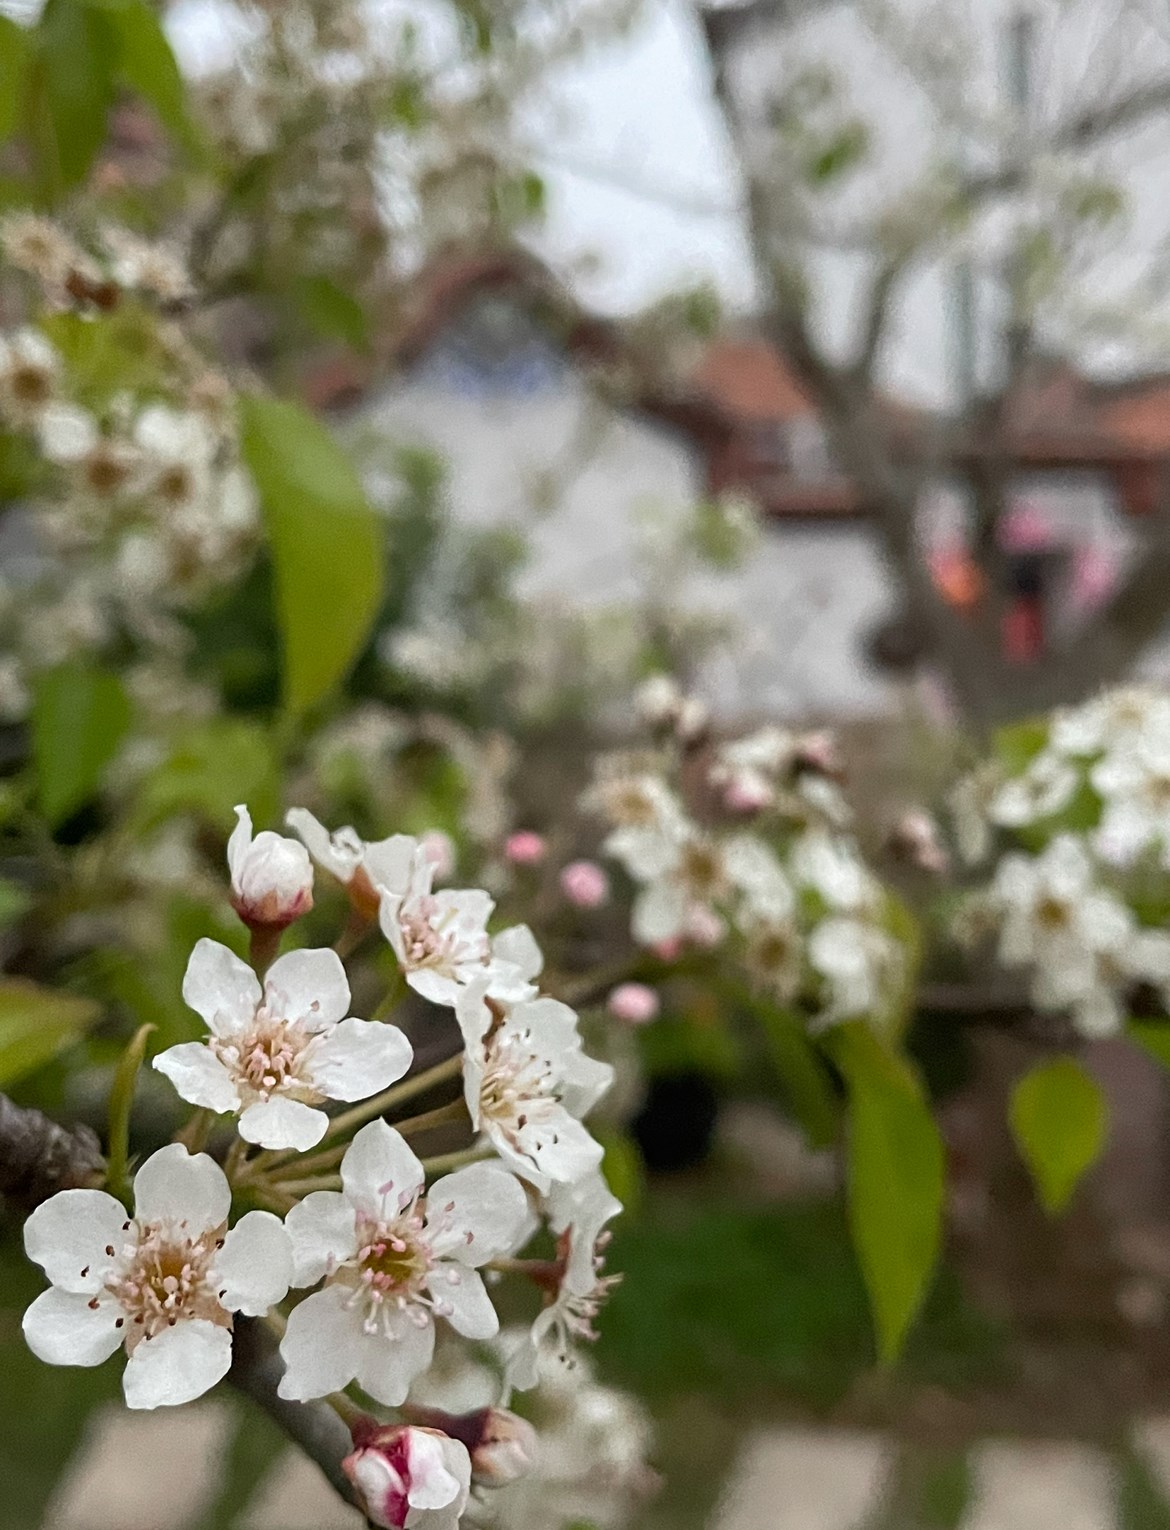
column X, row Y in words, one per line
column 158, row 1471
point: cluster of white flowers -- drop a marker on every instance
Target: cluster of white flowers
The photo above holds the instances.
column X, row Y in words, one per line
column 791, row 896
column 384, row 1246
column 140, row 503
column 1075, row 811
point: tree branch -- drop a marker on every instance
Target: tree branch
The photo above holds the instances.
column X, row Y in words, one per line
column 38, row 1157
column 314, row 1427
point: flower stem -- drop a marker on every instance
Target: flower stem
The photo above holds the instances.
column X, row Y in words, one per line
column 303, row 1187
column 346, row 1409
column 397, row 1095
column 392, row 997
column 194, row 1135
column 357, row 927
column 443, row 1115
column 443, row 1163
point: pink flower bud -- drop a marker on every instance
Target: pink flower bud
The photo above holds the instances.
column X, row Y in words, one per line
column 818, row 751
column 704, row 928
column 525, row 848
column 502, row 1445
column 272, row 877
column 748, row 794
column 399, row 1471
column 439, row 849
column 634, row 1003
column 668, row 950
column 585, row 884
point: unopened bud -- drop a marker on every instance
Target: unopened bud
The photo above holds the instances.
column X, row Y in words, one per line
column 272, row 877
column 585, row 884
column 819, row 752
column 634, row 1003
column 502, row 1445
column 916, row 840
column 399, row 1471
column 525, row 848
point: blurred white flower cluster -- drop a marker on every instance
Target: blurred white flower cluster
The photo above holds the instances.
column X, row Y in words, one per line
column 388, row 1245
column 137, row 500
column 1074, row 814
column 747, row 844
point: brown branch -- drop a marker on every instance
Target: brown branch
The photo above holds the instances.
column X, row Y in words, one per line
column 38, row 1157
column 314, row 1427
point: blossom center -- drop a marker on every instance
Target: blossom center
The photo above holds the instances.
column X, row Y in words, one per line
column 1053, row 914
column 390, row 1272
column 269, row 1058
column 31, row 384
column 518, row 1086
column 165, row 1279
column 425, row 943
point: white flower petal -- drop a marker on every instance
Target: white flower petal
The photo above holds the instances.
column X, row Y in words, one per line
column 176, row 1186
column 308, row 986
column 659, row 913
column 389, row 863
column 321, row 1345
column 358, row 1058
column 435, row 987
column 321, row 1229
column 70, row 1233
column 177, row 1365
column 253, row 1269
column 586, row 1080
column 339, row 853
column 478, row 1212
column 238, row 843
column 556, row 1150
column 379, row 1165
column 220, row 988
column 464, row 1294
column 61, row 1328
column 282, row 1123
column 519, row 948
column 440, row 1471
column 199, row 1076
column 388, row 1366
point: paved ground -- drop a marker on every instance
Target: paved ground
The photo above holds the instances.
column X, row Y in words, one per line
column 786, row 1479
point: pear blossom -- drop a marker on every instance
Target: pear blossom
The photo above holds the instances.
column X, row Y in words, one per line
column 155, row 268
column 164, row 1283
column 646, row 816
column 272, row 877
column 527, row 1083
column 505, row 1449
column 66, row 433
column 831, row 866
column 1116, row 719
column 362, row 866
column 856, row 959
column 1134, row 782
column 578, row 1213
column 178, row 451
column 29, row 368
column 1046, row 786
column 275, row 1053
column 633, row 1003
column 393, row 1259
column 680, row 874
column 39, row 246
column 440, row 938
column 410, row 1477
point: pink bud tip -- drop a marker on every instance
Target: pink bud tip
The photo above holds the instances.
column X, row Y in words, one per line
column 744, row 796
column 585, row 884
column 525, row 848
column 634, row 1003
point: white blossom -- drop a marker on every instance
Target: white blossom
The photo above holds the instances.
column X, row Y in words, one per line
column 29, row 368
column 527, row 1083
column 440, row 938
column 1046, row 785
column 857, row 961
column 275, row 1053
column 364, row 867
column 164, row 1282
column 393, row 1259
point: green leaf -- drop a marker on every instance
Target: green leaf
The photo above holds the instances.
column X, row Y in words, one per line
column 14, row 901
column 332, row 312
column 121, row 1102
column 147, row 63
column 326, row 545
column 1059, row 1119
column 211, row 768
column 79, row 717
column 77, row 51
column 35, row 1024
column 895, row 1180
column 1017, row 745
column 1153, row 1036
column 14, row 56
column 808, row 1090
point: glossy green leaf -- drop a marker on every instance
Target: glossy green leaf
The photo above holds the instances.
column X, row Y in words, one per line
column 121, row 1103
column 35, row 1024
column 212, row 767
column 1019, row 743
column 896, row 1168
column 1059, row 1120
column 808, row 1089
column 147, row 64
column 1153, row 1036
column 79, row 718
column 75, row 86
column 332, row 312
column 326, row 545
column 14, row 57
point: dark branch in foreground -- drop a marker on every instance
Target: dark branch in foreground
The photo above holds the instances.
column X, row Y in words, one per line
column 315, row 1427
column 38, row 1157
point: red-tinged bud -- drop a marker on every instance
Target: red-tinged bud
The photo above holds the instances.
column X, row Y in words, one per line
column 272, row 877
column 406, row 1475
column 502, row 1446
